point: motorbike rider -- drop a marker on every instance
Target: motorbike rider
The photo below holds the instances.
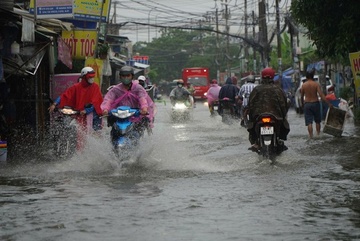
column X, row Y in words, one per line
column 244, row 94
column 229, row 90
column 191, row 89
column 142, row 81
column 180, row 93
column 267, row 98
column 84, row 96
column 128, row 93
column 212, row 95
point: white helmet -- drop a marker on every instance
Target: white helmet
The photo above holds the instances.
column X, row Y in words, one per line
column 142, row 78
column 87, row 70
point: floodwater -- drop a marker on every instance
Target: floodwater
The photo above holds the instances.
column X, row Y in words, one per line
column 192, row 180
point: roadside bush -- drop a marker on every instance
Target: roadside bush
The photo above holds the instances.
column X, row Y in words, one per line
column 357, row 116
column 346, row 93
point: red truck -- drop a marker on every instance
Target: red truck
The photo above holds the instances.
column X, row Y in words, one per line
column 199, row 77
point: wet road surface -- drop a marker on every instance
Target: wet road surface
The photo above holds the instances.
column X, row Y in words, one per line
column 191, row 180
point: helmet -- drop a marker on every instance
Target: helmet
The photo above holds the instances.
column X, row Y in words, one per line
column 141, row 78
column 88, row 72
column 125, row 70
column 268, row 73
column 180, row 81
column 251, row 78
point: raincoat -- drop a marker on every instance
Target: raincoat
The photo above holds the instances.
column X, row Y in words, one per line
column 135, row 97
column 213, row 93
column 229, row 90
column 79, row 95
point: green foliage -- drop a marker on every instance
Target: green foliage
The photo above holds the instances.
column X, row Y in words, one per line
column 333, row 25
column 346, row 93
column 357, row 116
column 153, row 75
column 176, row 49
column 103, row 49
column 286, row 54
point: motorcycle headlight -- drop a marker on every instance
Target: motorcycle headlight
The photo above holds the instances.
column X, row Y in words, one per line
column 180, row 106
column 122, row 114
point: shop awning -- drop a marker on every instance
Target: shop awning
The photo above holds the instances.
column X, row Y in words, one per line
column 140, row 65
column 24, row 64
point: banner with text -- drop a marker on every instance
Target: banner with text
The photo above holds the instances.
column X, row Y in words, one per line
column 61, row 82
column 355, row 67
column 81, row 42
column 86, row 10
column 97, row 65
column 52, row 9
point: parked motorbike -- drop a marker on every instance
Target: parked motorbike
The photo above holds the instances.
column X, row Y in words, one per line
column 227, row 110
column 64, row 133
column 267, row 127
column 127, row 127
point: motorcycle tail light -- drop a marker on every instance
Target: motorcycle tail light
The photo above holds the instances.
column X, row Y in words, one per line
column 266, row 119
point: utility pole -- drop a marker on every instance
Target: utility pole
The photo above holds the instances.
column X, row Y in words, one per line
column 293, row 31
column 246, row 36
column 254, row 52
column 217, row 46
column 114, row 31
column 263, row 34
column 227, row 28
column 102, row 2
column 278, row 39
column 201, row 42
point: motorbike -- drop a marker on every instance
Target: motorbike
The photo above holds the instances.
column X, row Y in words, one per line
column 267, row 128
column 181, row 111
column 214, row 107
column 127, row 128
column 244, row 116
column 227, row 110
column 65, row 132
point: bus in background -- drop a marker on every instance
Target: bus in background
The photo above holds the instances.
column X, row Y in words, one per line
column 199, row 77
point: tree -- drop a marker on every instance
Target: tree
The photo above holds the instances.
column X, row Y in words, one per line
column 176, row 49
column 286, row 53
column 333, row 25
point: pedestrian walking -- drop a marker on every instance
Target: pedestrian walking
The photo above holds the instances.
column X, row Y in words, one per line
column 310, row 91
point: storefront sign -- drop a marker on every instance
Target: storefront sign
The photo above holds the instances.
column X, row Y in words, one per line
column 90, row 10
column 81, row 42
column 62, row 82
column 355, row 67
column 52, row 9
column 86, row 10
column 97, row 65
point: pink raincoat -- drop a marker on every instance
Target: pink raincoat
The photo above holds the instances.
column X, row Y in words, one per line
column 213, row 93
column 136, row 97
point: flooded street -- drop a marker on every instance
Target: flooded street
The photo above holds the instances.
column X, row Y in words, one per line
column 192, row 180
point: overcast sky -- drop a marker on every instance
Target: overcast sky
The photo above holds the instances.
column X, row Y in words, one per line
column 183, row 13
